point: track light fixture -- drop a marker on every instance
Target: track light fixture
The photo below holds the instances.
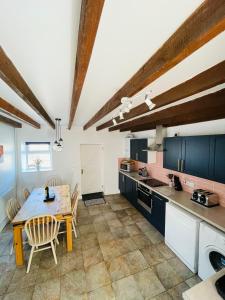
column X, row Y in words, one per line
column 149, row 102
column 114, row 122
column 121, row 115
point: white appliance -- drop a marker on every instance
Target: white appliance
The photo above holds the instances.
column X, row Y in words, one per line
column 181, row 235
column 211, row 251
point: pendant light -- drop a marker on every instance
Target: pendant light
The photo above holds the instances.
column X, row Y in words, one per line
column 58, row 143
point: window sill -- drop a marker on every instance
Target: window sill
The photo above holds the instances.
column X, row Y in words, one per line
column 36, row 171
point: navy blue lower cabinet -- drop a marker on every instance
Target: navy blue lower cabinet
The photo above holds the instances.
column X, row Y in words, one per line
column 122, row 184
column 158, row 212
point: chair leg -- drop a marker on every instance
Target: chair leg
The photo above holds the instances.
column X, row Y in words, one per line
column 53, row 251
column 30, row 259
column 74, row 229
column 57, row 241
column 11, row 250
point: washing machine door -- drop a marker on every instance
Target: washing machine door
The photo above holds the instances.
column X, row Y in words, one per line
column 211, row 259
column 217, row 260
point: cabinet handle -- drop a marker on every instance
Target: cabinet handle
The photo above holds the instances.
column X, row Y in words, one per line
column 178, row 165
column 136, row 156
column 123, row 178
column 182, row 165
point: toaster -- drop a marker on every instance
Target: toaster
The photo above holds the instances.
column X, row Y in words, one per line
column 205, row 198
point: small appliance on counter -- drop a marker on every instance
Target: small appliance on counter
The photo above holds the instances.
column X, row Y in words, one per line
column 177, row 184
column 143, row 172
column 205, row 198
column 127, row 165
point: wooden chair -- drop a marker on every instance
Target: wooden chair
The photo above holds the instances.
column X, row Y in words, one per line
column 41, row 230
column 12, row 208
column 54, row 181
column 26, row 194
column 74, row 205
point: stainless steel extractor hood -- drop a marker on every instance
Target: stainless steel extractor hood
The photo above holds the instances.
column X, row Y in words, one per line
column 157, row 145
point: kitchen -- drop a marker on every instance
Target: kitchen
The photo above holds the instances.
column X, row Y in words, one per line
column 169, row 185
column 112, row 142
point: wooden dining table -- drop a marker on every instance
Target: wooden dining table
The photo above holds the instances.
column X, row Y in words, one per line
column 34, row 206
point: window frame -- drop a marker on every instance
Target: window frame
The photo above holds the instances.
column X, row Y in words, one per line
column 26, row 153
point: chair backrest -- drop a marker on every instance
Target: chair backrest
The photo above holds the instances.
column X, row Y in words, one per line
column 26, row 193
column 75, row 190
column 74, row 203
column 41, row 229
column 54, row 181
column 12, row 208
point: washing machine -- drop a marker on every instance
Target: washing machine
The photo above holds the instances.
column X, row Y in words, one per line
column 211, row 250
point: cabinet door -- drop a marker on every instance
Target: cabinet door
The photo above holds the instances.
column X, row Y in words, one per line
column 172, row 153
column 133, row 149
column 219, row 159
column 158, row 212
column 142, row 155
column 122, row 185
column 196, row 156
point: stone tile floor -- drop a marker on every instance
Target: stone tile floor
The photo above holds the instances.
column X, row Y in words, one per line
column 117, row 255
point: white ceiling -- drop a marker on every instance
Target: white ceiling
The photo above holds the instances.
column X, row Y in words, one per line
column 40, row 37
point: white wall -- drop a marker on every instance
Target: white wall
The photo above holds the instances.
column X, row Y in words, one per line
column 7, row 169
column 67, row 163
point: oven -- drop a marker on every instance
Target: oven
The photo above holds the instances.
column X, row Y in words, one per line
column 144, row 197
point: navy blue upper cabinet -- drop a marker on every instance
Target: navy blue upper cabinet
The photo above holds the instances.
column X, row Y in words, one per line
column 201, row 156
column 196, row 156
column 172, row 153
column 136, row 150
column 219, row 158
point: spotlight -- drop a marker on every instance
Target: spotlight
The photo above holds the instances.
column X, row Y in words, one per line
column 130, row 104
column 114, row 122
column 149, row 102
column 121, row 115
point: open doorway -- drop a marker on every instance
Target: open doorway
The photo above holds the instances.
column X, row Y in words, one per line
column 91, row 171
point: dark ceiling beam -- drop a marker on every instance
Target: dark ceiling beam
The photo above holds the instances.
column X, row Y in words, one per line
column 214, row 102
column 201, row 82
column 206, row 22
column 209, row 115
column 16, row 113
column 89, row 20
column 11, row 76
column 10, row 122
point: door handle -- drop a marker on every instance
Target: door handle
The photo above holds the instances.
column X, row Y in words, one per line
column 82, row 171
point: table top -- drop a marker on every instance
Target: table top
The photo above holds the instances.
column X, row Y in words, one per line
column 35, row 205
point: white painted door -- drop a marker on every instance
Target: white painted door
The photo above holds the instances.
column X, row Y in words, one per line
column 91, row 168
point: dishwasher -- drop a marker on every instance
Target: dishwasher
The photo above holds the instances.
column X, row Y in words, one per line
column 182, row 235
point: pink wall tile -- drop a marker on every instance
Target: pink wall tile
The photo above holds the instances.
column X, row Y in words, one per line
column 156, row 170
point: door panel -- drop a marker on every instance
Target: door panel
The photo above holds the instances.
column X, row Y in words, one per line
column 219, row 159
column 197, row 156
column 91, row 169
column 142, row 155
column 172, row 152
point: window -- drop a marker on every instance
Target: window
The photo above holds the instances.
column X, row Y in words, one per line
column 36, row 156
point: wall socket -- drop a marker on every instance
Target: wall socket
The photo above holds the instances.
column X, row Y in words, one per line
column 189, row 183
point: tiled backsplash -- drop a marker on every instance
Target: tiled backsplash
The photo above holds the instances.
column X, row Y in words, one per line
column 156, row 170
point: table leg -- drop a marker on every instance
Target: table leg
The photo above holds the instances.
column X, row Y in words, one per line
column 69, row 233
column 18, row 244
